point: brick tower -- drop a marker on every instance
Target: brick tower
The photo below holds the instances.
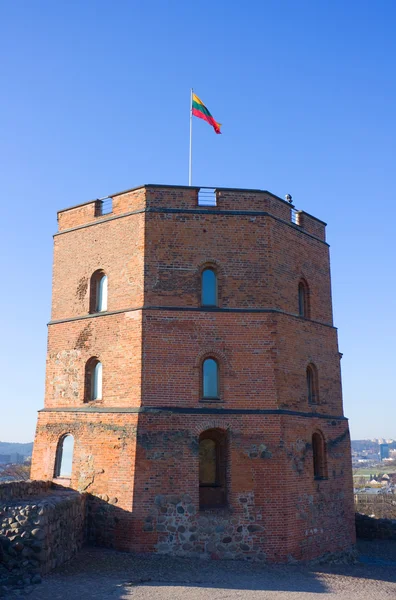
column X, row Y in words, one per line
column 193, row 376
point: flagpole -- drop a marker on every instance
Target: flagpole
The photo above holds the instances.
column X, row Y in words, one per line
column 190, row 156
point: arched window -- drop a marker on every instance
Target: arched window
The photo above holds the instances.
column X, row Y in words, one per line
column 303, row 299
column 312, row 384
column 208, row 287
column 210, row 378
column 93, row 380
column 98, row 292
column 212, row 468
column 64, row 456
column 319, row 456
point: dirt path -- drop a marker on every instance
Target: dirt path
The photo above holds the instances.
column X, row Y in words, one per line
column 108, row 575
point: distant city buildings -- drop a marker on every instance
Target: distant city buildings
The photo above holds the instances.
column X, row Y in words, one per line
column 12, row 459
column 383, row 451
column 371, row 452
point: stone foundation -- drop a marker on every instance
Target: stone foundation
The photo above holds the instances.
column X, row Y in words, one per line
column 37, row 533
column 216, row 533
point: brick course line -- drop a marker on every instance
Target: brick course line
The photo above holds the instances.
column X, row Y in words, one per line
column 190, row 309
column 197, row 211
column 193, row 411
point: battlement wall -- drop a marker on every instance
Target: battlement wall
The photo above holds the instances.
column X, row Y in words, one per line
column 178, row 198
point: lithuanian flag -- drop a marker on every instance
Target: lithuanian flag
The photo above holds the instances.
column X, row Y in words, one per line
column 199, row 110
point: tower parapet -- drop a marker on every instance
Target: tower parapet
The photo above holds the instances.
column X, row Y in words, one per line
column 153, row 197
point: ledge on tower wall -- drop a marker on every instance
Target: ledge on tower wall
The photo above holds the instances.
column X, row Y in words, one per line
column 41, row 527
column 162, row 197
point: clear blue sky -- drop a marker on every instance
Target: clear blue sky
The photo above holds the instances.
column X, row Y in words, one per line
column 95, row 99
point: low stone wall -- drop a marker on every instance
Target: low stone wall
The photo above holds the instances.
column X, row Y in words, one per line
column 38, row 533
column 370, row 528
column 13, row 490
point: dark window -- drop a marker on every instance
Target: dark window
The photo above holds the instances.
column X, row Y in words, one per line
column 303, row 300
column 64, row 457
column 312, row 384
column 319, row 456
column 212, row 468
column 93, row 380
column 208, row 288
column 207, row 462
column 210, row 378
column 98, row 292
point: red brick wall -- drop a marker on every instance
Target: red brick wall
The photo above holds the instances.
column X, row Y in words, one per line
column 81, row 215
column 176, row 343
column 262, row 360
column 152, row 355
column 117, row 247
column 116, row 340
column 300, row 342
column 104, row 451
column 276, row 511
column 260, row 262
column 295, row 255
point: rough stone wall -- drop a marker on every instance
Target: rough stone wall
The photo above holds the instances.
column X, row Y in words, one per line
column 370, row 528
column 23, row 489
column 38, row 533
column 184, row 531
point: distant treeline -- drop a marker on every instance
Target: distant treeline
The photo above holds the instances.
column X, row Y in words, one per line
column 13, row 447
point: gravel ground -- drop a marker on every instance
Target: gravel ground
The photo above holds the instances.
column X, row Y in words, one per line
column 109, row 575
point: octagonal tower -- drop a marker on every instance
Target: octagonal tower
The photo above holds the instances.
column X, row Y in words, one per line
column 193, row 383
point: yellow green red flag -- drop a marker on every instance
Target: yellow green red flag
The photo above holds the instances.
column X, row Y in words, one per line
column 199, row 110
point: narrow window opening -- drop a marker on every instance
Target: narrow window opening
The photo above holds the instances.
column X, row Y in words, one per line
column 212, row 469
column 96, row 391
column 98, row 292
column 101, row 302
column 207, row 197
column 312, row 385
column 210, row 378
column 303, row 300
column 64, row 457
column 93, row 380
column 319, row 456
column 208, row 287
